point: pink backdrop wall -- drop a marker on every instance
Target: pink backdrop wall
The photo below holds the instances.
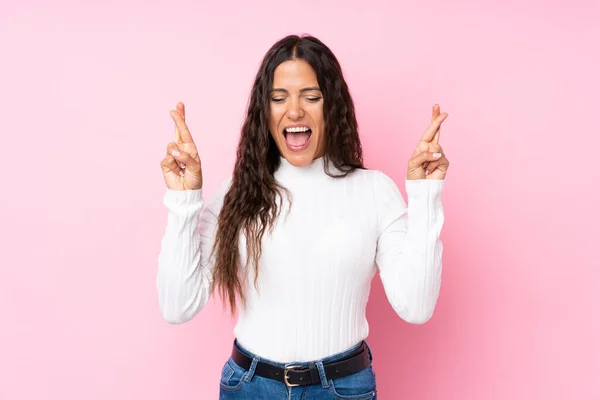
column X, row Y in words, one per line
column 85, row 92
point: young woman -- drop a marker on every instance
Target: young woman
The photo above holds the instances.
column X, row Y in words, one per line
column 294, row 237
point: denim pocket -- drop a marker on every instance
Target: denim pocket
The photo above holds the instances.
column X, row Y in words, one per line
column 232, row 376
column 358, row 386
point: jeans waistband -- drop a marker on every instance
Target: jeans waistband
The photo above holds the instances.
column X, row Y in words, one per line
column 328, row 359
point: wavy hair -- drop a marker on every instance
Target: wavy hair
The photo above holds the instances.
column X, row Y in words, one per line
column 250, row 205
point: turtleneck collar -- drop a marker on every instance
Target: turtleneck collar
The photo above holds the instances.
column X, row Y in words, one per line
column 288, row 173
column 316, row 166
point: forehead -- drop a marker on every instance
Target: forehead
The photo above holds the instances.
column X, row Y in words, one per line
column 294, row 73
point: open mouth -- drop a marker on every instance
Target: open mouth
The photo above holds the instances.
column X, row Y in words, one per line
column 297, row 138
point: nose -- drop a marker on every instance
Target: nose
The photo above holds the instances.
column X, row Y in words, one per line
column 295, row 110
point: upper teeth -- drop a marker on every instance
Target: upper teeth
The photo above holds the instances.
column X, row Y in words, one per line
column 297, row 129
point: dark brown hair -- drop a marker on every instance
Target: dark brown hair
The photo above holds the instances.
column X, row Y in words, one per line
column 250, row 205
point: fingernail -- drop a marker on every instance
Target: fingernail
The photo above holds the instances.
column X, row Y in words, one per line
column 182, row 166
column 175, row 153
column 180, row 173
column 437, row 155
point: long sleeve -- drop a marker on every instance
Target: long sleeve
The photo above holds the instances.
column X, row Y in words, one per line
column 409, row 249
column 184, row 279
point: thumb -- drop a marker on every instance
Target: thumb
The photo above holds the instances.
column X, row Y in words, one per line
column 424, row 157
column 186, row 161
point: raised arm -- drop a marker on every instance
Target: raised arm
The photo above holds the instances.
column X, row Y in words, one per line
column 409, row 248
column 184, row 279
column 184, row 268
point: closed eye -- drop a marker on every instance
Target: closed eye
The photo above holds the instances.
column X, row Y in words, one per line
column 281, row 100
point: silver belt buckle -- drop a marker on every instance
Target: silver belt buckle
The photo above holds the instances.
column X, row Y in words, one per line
column 285, row 376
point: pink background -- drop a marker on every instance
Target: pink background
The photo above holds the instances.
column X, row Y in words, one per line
column 85, row 92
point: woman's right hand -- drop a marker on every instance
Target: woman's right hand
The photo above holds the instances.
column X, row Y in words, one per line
column 181, row 167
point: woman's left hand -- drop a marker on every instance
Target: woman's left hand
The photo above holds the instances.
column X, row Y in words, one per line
column 428, row 160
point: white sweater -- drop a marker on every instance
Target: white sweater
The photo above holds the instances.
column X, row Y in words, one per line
column 316, row 267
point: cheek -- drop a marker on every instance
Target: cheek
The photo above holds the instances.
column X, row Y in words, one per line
column 319, row 118
column 274, row 118
column 321, row 124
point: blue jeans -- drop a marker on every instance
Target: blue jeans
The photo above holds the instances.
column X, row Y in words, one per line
column 240, row 384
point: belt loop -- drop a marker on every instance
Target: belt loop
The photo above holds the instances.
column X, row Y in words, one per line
column 369, row 350
column 315, row 376
column 321, row 369
column 252, row 369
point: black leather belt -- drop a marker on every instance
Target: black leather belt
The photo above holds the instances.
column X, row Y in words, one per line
column 294, row 375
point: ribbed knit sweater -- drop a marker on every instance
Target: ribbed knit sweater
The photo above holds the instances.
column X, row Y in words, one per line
column 316, row 266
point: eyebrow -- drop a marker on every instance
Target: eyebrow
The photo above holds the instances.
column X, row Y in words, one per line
column 308, row 89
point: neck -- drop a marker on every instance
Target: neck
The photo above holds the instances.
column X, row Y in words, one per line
column 289, row 172
column 314, row 164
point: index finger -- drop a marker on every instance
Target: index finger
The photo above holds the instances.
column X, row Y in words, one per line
column 433, row 128
column 184, row 132
column 181, row 110
column 434, row 114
